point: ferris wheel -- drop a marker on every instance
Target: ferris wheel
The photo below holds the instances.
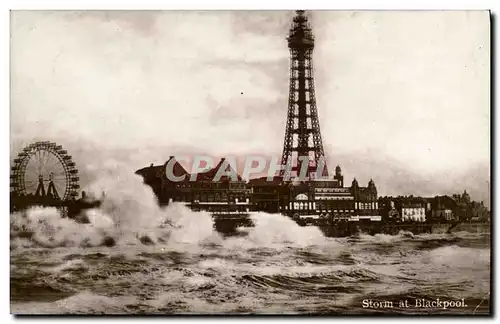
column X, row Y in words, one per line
column 44, row 169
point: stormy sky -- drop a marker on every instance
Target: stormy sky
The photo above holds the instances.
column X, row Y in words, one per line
column 403, row 97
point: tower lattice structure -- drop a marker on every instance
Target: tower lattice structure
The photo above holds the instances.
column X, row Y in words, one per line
column 302, row 136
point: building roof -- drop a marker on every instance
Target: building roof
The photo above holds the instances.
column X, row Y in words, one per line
column 160, row 170
column 276, row 180
column 150, row 171
column 177, row 169
column 210, row 174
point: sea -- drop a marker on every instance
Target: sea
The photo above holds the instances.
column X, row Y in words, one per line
column 135, row 258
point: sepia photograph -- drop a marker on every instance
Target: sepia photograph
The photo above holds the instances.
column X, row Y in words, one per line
column 250, row 162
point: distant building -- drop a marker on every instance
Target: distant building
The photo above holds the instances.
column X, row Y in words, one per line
column 463, row 208
column 404, row 209
column 388, row 210
column 479, row 212
column 470, row 210
column 413, row 213
column 366, row 199
column 432, row 209
column 444, row 208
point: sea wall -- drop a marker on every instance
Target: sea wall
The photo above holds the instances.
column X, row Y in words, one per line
column 463, row 227
column 341, row 229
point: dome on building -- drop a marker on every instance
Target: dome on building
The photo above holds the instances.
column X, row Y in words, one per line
column 466, row 196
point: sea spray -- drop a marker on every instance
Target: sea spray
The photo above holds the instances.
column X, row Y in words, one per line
column 46, row 227
column 191, row 227
column 276, row 231
column 134, row 210
column 127, row 201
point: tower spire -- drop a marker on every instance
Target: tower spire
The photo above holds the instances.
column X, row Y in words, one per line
column 303, row 143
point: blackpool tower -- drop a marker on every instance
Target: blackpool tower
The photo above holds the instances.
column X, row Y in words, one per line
column 303, row 147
